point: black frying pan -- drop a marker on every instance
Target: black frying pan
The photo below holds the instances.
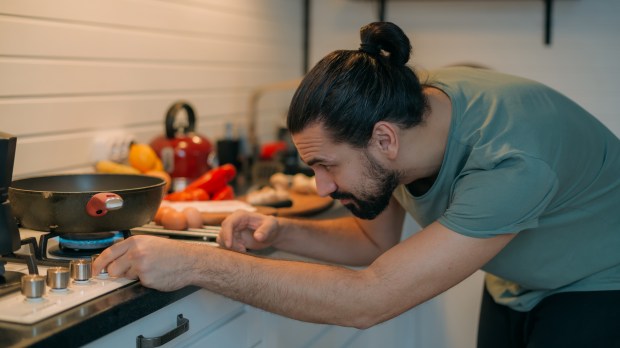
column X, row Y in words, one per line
column 84, row 203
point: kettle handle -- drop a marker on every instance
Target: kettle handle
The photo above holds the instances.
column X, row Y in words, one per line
column 171, row 115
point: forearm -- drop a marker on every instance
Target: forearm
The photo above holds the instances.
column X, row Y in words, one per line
column 340, row 241
column 302, row 291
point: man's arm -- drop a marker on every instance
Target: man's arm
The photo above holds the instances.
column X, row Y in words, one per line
column 347, row 241
column 412, row 272
column 408, row 274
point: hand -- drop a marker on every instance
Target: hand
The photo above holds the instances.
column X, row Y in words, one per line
column 243, row 230
column 158, row 263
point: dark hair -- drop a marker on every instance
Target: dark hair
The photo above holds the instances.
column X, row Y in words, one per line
column 349, row 91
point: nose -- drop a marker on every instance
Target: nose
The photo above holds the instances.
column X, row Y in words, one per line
column 324, row 184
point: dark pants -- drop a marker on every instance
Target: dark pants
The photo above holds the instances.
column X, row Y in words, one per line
column 589, row 319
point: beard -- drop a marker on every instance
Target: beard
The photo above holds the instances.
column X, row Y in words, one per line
column 378, row 183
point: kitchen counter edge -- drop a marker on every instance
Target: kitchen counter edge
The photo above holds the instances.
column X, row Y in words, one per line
column 91, row 320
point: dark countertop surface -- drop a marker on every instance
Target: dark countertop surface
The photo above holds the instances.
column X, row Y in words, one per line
column 91, row 320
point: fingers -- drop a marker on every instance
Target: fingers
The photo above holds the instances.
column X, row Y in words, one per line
column 232, row 226
column 110, row 254
column 266, row 232
column 117, row 259
column 147, row 258
column 243, row 230
column 261, row 233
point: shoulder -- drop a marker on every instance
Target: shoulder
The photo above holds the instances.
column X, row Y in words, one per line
column 505, row 197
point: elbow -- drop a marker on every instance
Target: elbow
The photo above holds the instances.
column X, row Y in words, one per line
column 365, row 317
column 363, row 325
column 364, row 322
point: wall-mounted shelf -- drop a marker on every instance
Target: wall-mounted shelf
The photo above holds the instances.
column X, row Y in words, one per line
column 548, row 11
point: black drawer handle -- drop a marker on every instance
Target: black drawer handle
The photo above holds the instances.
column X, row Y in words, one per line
column 150, row 342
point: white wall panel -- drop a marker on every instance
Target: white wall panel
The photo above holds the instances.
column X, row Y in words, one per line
column 76, row 40
column 72, row 69
column 257, row 19
column 37, row 77
column 27, row 117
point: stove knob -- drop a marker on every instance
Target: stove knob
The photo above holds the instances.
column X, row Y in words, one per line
column 104, row 271
column 81, row 270
column 33, row 286
column 58, row 278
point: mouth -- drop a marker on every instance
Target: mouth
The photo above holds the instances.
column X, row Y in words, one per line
column 345, row 201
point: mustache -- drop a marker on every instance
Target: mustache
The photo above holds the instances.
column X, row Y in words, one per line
column 342, row 195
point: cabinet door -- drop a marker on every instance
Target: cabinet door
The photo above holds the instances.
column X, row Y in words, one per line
column 240, row 332
column 394, row 333
column 281, row 332
column 202, row 308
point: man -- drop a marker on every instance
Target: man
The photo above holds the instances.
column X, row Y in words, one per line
column 503, row 174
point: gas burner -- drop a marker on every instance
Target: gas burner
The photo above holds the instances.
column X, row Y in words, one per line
column 76, row 245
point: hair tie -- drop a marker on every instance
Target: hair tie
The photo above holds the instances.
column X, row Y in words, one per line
column 371, row 49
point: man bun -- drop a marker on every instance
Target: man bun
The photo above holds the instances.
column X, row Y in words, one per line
column 386, row 39
column 349, row 91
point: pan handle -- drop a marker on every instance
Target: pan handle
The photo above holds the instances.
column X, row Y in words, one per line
column 99, row 204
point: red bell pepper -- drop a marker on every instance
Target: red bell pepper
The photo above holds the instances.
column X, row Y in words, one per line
column 214, row 180
column 199, row 194
column 224, row 194
column 185, row 196
column 180, row 196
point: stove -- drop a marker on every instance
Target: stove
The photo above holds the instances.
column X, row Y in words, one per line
column 16, row 308
column 57, row 251
column 24, row 262
column 49, row 249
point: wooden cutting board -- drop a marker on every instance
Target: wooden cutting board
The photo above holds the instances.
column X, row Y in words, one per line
column 303, row 205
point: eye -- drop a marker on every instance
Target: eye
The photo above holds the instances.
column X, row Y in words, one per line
column 321, row 167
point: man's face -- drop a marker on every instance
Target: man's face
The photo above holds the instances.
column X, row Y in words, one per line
column 350, row 175
column 373, row 192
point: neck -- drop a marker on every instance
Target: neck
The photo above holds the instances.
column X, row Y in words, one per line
column 429, row 140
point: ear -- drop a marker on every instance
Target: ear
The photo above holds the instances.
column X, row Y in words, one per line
column 385, row 139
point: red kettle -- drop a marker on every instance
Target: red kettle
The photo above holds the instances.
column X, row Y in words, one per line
column 183, row 152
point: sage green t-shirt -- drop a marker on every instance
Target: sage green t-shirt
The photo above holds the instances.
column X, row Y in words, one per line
column 522, row 158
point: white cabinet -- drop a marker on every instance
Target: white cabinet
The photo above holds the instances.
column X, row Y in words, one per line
column 281, row 332
column 214, row 321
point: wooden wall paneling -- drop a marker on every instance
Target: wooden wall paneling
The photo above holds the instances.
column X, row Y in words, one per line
column 36, row 77
column 42, row 154
column 72, row 70
column 49, row 115
column 262, row 19
column 78, row 41
column 62, row 151
column 66, row 151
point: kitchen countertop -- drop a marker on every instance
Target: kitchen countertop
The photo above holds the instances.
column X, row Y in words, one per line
column 76, row 326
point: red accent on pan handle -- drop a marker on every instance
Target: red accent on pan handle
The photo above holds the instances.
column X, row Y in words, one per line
column 101, row 203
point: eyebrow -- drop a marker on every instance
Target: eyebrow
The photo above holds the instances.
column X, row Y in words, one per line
column 314, row 161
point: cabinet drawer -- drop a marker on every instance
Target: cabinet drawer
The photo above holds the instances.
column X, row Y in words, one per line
column 202, row 308
column 244, row 330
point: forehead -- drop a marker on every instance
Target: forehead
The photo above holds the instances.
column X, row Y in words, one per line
column 315, row 145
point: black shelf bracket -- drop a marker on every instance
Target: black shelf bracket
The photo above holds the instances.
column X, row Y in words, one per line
column 548, row 12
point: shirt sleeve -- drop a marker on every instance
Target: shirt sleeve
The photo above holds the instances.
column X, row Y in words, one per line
column 507, row 198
